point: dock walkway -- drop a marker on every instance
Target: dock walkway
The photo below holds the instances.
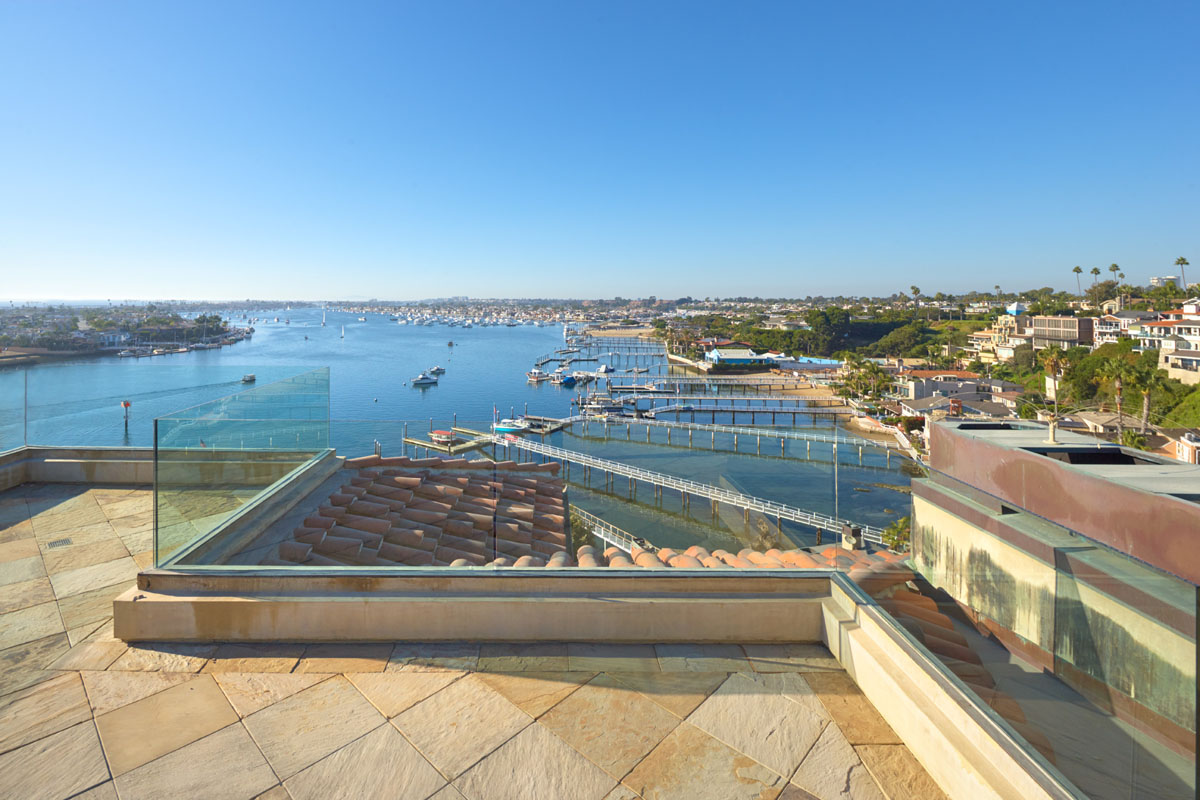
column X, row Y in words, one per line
column 688, row 488
column 782, row 434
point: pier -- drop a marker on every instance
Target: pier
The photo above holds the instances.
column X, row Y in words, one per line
column 611, row 534
column 686, row 488
column 782, row 434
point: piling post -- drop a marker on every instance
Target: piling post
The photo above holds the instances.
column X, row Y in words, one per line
column 758, row 443
column 668, row 435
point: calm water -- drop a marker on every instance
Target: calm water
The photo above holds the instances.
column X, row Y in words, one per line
column 78, row 403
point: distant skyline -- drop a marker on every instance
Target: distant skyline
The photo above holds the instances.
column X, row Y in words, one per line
column 549, row 149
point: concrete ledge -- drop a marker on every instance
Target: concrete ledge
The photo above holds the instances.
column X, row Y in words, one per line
column 121, row 466
column 510, row 605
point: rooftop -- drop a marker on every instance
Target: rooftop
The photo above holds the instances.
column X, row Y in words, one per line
column 84, row 712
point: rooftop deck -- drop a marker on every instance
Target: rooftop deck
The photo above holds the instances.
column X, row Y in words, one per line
column 83, row 714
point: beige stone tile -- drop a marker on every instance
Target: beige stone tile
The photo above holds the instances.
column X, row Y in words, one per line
column 107, row 691
column 535, row 692
column 144, row 560
column 92, row 655
column 112, row 494
column 105, row 791
column 622, row 792
column 76, row 581
column 791, row 658
column 96, row 533
column 832, row 769
column 178, row 716
column 38, row 770
column 253, row 691
column 304, row 728
column 677, row 692
column 612, row 725
column 701, row 658
column 16, row 530
column 448, row 792
column 25, row 664
column 898, row 773
column 534, row 764
column 395, row 692
column 16, row 596
column 523, row 657
column 90, row 606
column 66, row 516
column 380, row 765
column 460, row 724
column 21, row 570
column 794, row 792
column 155, row 657
column 115, row 508
column 338, row 657
column 77, row 635
column 41, row 710
column 691, row 765
column 138, row 541
column 18, row 549
column 275, row 793
column 851, row 710
column 598, row 657
column 77, row 556
column 773, row 718
column 266, row 657
column 417, row 656
column 28, row 624
column 224, row 765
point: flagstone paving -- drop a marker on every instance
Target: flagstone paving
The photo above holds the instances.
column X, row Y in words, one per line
column 85, row 715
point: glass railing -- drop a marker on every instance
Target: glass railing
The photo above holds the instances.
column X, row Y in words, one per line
column 213, row 460
column 1086, row 652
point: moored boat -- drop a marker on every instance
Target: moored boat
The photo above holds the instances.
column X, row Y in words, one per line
column 442, row 437
column 249, row 378
column 424, row 379
column 536, row 375
column 439, row 370
column 517, row 425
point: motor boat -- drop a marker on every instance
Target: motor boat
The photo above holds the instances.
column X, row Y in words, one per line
column 535, row 375
column 518, row 425
column 561, row 379
column 439, row 370
column 425, row 379
column 249, row 378
column 604, row 369
column 442, row 437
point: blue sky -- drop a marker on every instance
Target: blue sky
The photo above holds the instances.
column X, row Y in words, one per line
column 589, row 149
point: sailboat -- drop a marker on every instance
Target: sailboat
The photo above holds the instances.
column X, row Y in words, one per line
column 322, row 318
column 343, row 331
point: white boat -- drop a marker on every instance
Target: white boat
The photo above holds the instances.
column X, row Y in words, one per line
column 322, row 319
column 437, row 371
column 343, row 331
column 442, row 437
column 535, row 375
column 248, row 378
column 424, row 379
column 517, row 425
column 604, row 369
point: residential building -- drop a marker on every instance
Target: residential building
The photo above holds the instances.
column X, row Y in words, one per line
column 1064, row 332
column 1115, row 326
column 1166, row 280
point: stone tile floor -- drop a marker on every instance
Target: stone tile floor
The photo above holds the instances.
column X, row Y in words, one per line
column 85, row 715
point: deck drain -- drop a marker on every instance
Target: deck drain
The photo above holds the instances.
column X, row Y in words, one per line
column 57, row 543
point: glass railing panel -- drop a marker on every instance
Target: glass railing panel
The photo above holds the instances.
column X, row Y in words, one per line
column 12, row 407
column 214, row 459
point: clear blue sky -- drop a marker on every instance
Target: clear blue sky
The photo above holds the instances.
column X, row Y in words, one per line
column 304, row 150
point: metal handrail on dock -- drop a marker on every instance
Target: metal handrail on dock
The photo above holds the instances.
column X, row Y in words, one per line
column 683, row 409
column 735, row 398
column 611, row 534
column 772, row 433
column 688, row 487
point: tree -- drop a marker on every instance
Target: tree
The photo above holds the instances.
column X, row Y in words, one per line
column 997, row 288
column 916, row 293
column 1182, row 262
column 1147, row 379
column 1095, row 275
column 1117, row 371
column 1079, row 289
column 1114, row 269
column 897, row 535
column 1053, row 360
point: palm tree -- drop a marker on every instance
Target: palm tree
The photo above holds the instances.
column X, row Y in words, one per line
column 1117, row 371
column 997, row 288
column 1182, row 262
column 1053, row 360
column 1147, row 380
column 1095, row 275
column 916, row 293
column 1079, row 289
column 1114, row 269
